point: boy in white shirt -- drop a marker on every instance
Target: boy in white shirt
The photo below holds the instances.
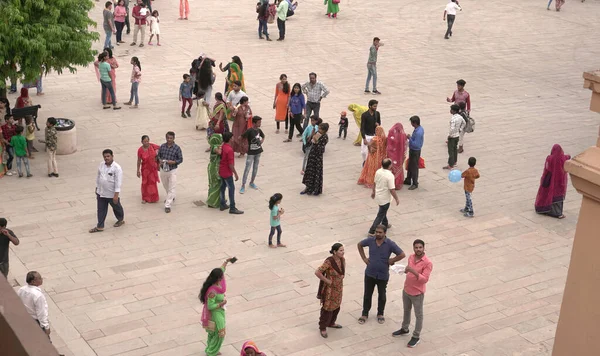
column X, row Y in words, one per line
column 450, row 13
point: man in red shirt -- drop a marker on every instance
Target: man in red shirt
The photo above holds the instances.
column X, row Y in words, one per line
column 417, row 275
column 140, row 21
column 227, row 172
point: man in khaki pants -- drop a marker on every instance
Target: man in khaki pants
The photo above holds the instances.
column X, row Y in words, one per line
column 140, row 22
column 170, row 157
column 51, row 142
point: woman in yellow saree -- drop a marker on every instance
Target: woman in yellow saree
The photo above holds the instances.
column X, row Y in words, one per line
column 357, row 111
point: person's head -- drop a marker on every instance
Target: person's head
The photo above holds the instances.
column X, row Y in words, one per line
column 319, row 121
column 9, row 119
column 462, row 106
column 250, row 349
column 323, row 128
column 107, row 154
column 376, row 41
column 170, row 136
column 4, row 103
column 238, row 61
column 121, row 3
column 472, row 161
column 145, row 141
column 219, row 96
column 102, row 57
column 337, row 250
column 140, row 3
column 275, row 200
column 33, row 278
column 3, row 222
column 28, row 119
column 283, row 78
column 419, row 247
column 19, row 130
column 227, row 136
column 51, row 122
column 314, row 120
column 215, row 276
column 256, row 121
column 373, row 105
column 244, row 100
column 108, row 52
column 454, row 109
column 460, row 84
column 296, row 89
column 24, row 92
column 415, row 121
column 108, row 5
column 343, row 114
column 312, row 77
column 380, row 231
column 386, row 163
column 155, row 13
column 186, row 78
column 237, row 85
column 136, row 62
column 200, row 93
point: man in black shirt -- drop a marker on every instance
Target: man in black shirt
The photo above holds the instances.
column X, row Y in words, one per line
column 369, row 120
column 6, row 236
column 255, row 138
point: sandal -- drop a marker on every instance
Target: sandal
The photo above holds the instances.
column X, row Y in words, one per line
column 362, row 320
column 119, row 223
column 324, row 334
column 288, row 140
column 380, row 319
column 561, row 217
column 95, row 230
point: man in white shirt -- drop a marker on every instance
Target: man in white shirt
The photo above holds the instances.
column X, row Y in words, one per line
column 315, row 91
column 34, row 300
column 108, row 188
column 234, row 97
column 457, row 124
column 383, row 191
column 450, row 13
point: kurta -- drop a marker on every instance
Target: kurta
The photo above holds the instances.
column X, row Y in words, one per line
column 240, row 125
column 331, row 296
column 215, row 338
column 281, row 103
column 357, row 111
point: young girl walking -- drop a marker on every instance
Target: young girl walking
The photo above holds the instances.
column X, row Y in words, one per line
column 136, row 78
column 276, row 213
column 154, row 29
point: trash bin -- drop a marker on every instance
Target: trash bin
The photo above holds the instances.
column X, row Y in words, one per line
column 66, row 133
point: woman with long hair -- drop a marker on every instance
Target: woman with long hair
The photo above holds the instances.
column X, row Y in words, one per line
column 242, row 114
column 377, row 152
column 120, row 15
column 147, row 169
column 297, row 108
column 396, row 151
column 331, row 273
column 553, row 184
column 212, row 295
column 236, row 72
column 214, row 180
column 275, row 219
column 357, row 111
column 206, row 78
column 136, row 78
column 281, row 101
column 313, row 175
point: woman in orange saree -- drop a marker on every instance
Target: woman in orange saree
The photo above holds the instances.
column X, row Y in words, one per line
column 377, row 152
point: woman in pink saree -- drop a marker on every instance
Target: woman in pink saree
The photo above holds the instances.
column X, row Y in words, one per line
column 396, row 151
column 553, row 184
column 212, row 295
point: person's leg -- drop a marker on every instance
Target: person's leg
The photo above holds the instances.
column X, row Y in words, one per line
column 324, row 319
column 283, row 27
column 381, row 296
column 222, row 193
column 113, row 97
column 181, row 9
column 39, row 89
column 451, row 19
column 255, row 163
column 171, row 183
column 143, row 30
column 134, row 87
column 306, row 157
column 449, row 144
column 417, row 301
column 266, row 29
column 107, row 38
column 317, row 109
column 384, row 221
column 26, row 161
column 136, row 29
column 381, row 213
column 287, row 120
column 407, row 304
column 374, row 71
column 117, row 209
column 52, row 165
column 183, row 106
column 11, row 156
column 249, row 161
column 19, row 170
column 340, row 131
column 469, row 203
column 369, row 75
column 334, row 315
column 279, row 27
column 231, row 187
column 127, row 20
column 309, row 110
column 368, row 295
column 345, row 132
column 102, row 206
column 277, row 125
column 549, row 3
column 271, row 235
column 103, row 92
column 291, row 132
column 119, row 26
column 260, row 28
column 4, row 267
column 187, row 8
column 454, row 150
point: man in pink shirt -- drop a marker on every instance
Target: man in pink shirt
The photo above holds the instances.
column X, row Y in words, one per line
column 417, row 274
column 461, row 95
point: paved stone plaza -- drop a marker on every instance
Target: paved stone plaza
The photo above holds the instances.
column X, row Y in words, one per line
column 498, row 279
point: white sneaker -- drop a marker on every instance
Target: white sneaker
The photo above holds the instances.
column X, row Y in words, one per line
column 9, row 173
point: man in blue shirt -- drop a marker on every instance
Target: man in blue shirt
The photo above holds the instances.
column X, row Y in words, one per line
column 415, row 143
column 377, row 272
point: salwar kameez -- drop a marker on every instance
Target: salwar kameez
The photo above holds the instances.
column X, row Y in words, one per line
column 377, row 152
column 215, row 338
column 331, row 295
column 240, row 125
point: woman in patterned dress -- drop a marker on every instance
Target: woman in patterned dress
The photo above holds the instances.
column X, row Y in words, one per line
column 241, row 115
column 313, row 175
column 331, row 273
column 377, row 152
column 147, row 169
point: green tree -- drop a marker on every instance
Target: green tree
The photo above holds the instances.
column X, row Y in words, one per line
column 39, row 36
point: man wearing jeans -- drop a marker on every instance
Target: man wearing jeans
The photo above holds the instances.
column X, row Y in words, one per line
column 227, row 172
column 378, row 270
column 372, row 66
column 315, row 91
column 282, row 10
column 456, row 126
column 383, row 191
column 415, row 143
column 108, row 189
column 170, row 157
column 417, row 275
column 109, row 24
column 450, row 14
column 255, row 138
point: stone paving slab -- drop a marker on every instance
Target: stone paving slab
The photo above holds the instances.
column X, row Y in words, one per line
column 498, row 279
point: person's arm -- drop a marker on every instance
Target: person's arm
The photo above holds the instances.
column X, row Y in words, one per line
column 231, row 163
column 393, row 192
column 41, row 311
column 373, row 192
column 262, row 136
column 476, row 175
column 363, row 123
column 468, row 102
column 319, row 272
column 399, row 255
column 118, row 182
column 303, row 101
column 211, row 302
column 361, row 250
column 444, row 15
column 11, row 236
column 422, row 277
column 139, row 164
column 305, row 88
column 178, row 157
column 325, row 91
column 378, row 118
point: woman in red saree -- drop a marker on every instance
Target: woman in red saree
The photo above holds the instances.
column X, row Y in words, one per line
column 147, row 169
column 396, row 151
column 553, row 184
column 377, row 152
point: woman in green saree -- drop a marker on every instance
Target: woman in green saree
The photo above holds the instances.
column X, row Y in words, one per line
column 212, row 295
column 235, row 73
column 214, row 181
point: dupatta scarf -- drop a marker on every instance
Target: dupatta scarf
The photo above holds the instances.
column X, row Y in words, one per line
column 553, row 184
column 236, row 74
column 217, row 289
column 250, row 345
column 396, row 151
column 322, row 286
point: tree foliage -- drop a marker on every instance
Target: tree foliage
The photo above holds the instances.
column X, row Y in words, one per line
column 48, row 34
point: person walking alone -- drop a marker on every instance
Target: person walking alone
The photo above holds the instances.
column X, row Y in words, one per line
column 372, row 66
column 383, row 191
column 417, row 275
column 108, row 189
column 415, row 143
column 450, row 15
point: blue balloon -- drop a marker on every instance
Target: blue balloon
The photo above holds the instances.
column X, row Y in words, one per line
column 454, row 176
